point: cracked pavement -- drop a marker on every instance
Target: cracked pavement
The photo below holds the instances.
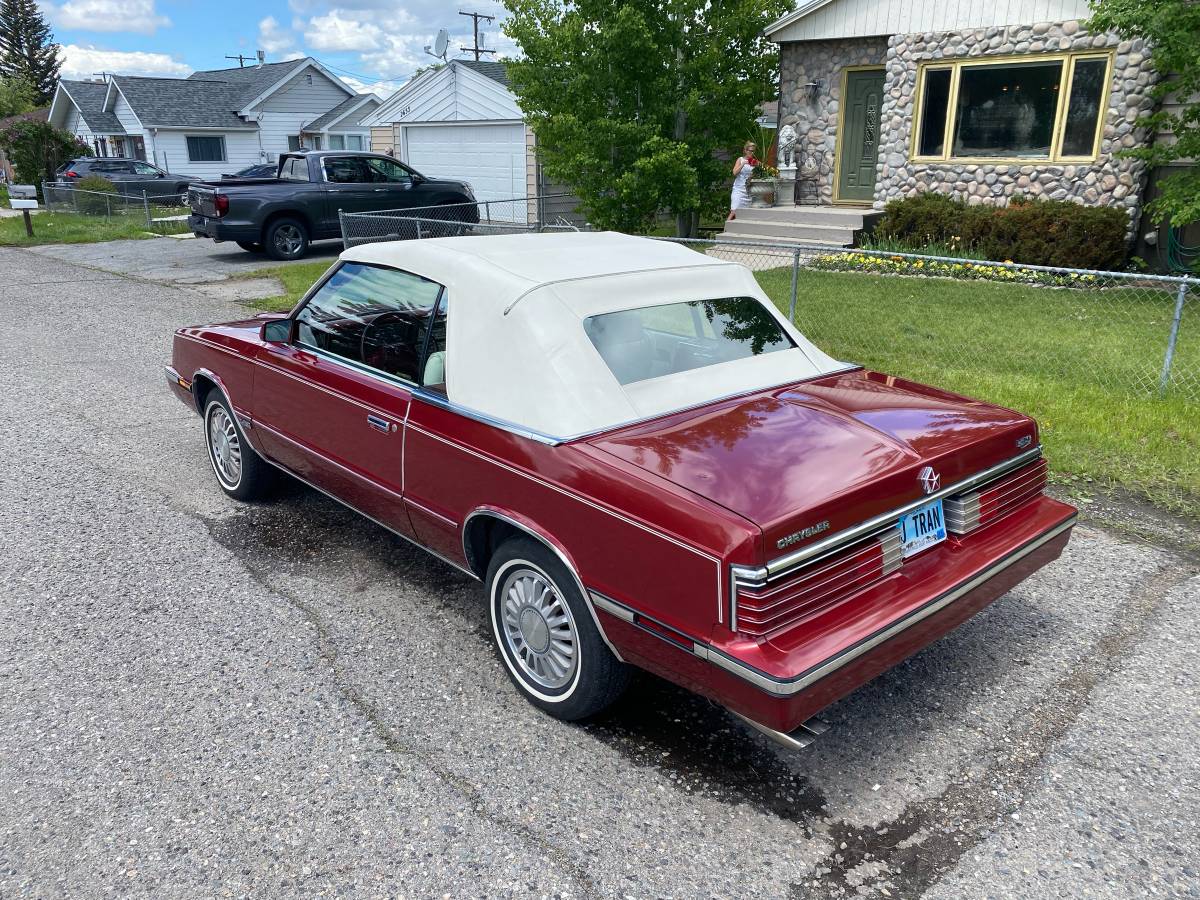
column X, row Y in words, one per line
column 200, row 698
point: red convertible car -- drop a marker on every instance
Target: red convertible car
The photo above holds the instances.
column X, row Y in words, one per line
column 641, row 459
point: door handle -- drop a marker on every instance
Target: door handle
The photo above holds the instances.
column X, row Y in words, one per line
column 380, row 424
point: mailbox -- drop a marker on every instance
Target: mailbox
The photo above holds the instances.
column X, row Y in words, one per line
column 22, row 192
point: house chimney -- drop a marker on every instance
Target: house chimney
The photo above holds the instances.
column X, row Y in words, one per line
column 262, row 57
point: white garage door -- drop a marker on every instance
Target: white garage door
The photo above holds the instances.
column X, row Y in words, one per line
column 490, row 157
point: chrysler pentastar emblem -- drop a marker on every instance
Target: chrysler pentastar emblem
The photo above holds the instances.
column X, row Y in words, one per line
column 930, row 480
column 797, row 536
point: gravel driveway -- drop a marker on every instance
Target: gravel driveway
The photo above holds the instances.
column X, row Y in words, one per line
column 200, row 699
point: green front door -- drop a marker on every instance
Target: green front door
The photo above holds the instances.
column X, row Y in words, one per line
column 858, row 144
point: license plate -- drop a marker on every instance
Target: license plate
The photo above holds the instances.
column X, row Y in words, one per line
column 922, row 528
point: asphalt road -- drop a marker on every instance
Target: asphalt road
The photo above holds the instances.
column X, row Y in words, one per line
column 205, row 699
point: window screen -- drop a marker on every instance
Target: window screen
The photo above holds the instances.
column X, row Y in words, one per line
column 639, row 344
column 206, row 149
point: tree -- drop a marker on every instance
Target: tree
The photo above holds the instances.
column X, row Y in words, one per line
column 27, row 48
column 1171, row 29
column 36, row 148
column 631, row 100
column 16, row 97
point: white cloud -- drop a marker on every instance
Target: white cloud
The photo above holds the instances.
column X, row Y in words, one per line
column 388, row 41
column 139, row 16
column 336, row 32
column 274, row 38
column 83, row 62
column 383, row 89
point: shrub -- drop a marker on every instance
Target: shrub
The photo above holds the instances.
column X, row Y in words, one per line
column 1035, row 232
column 89, row 200
column 36, row 148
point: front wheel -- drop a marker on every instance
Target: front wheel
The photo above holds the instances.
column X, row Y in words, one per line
column 240, row 471
column 286, row 239
column 545, row 635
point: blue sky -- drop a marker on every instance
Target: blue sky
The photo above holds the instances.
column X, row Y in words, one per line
column 373, row 44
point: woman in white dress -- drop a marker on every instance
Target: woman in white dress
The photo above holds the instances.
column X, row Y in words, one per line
column 743, row 169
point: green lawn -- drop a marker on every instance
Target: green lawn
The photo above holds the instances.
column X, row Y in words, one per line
column 295, row 280
column 71, row 228
column 1085, row 364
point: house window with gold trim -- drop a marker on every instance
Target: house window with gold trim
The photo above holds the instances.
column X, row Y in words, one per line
column 1048, row 107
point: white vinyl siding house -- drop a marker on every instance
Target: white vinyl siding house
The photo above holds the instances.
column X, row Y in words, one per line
column 459, row 121
column 285, row 112
column 211, row 123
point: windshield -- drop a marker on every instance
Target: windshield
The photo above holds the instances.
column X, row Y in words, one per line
column 653, row 341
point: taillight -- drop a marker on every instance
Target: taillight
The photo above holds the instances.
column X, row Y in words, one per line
column 221, row 204
column 72, row 174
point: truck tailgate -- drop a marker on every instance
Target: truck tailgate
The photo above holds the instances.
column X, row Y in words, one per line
column 202, row 200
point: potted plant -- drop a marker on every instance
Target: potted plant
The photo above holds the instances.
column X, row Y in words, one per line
column 763, row 185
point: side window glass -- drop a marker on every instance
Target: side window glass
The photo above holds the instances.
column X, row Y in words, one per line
column 294, row 169
column 373, row 316
column 384, row 170
column 343, row 170
column 142, row 168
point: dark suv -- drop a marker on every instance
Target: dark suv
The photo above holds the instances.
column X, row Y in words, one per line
column 131, row 176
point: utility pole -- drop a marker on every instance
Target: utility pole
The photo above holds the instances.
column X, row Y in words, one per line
column 475, row 17
column 242, row 60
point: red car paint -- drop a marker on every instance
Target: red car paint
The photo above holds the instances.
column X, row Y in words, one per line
column 651, row 517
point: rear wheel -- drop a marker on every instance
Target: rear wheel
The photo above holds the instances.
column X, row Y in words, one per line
column 545, row 634
column 250, row 246
column 241, row 473
column 286, row 239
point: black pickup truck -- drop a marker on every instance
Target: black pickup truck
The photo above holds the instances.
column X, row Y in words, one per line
column 282, row 215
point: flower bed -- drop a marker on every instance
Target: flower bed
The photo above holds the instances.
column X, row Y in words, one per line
column 893, row 264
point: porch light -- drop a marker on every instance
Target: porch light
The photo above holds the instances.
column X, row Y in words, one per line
column 810, row 90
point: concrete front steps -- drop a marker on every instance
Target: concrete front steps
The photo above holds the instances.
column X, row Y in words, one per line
column 832, row 227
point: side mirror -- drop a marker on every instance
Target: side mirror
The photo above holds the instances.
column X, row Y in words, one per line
column 277, row 331
column 161, row 175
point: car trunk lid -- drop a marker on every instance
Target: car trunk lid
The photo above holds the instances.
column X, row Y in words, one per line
column 814, row 458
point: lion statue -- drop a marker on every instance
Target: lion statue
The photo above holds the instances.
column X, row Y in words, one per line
column 787, row 147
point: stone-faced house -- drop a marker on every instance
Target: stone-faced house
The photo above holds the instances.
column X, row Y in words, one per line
column 982, row 100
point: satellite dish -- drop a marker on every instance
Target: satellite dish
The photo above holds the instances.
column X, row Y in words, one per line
column 440, row 43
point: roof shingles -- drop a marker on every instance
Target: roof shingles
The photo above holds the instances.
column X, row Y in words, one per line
column 183, row 101
column 208, row 99
column 89, row 100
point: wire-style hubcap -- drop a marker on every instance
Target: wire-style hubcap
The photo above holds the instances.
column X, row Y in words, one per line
column 539, row 629
column 224, row 446
column 287, row 239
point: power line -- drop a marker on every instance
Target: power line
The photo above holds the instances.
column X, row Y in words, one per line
column 475, row 17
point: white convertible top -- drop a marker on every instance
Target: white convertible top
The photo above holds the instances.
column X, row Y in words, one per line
column 516, row 349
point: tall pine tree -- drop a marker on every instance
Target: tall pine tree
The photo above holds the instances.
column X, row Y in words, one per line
column 27, row 48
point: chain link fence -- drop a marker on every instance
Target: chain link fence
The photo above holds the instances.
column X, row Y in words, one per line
column 154, row 209
column 926, row 317
column 516, row 215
